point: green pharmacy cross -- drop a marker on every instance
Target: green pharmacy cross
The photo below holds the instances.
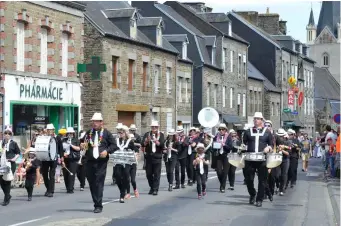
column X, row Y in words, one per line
column 95, row 68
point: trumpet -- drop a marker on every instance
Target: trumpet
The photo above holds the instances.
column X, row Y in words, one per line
column 82, row 153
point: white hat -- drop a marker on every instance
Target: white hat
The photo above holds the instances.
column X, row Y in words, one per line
column 125, row 128
column 281, row 132
column 119, row 126
column 8, row 128
column 232, row 131
column 179, row 129
column 97, row 117
column 291, row 131
column 70, row 130
column 268, row 122
column 200, row 145
column 154, row 123
column 171, row 132
column 258, row 115
column 32, row 150
column 286, row 135
column 132, row 127
column 192, row 128
column 222, row 125
column 50, row 126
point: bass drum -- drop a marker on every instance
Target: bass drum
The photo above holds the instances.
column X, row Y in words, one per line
column 46, row 148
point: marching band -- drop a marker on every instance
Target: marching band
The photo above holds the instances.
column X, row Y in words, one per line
column 273, row 157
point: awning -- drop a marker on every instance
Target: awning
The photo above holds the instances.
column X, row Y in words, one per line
column 291, row 120
column 232, row 119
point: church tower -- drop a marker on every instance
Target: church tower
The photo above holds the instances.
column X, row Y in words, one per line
column 311, row 29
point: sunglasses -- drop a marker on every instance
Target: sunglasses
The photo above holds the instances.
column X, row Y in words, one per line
column 221, row 129
column 7, row 133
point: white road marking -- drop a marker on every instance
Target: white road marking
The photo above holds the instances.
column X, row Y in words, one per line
column 30, row 221
column 115, row 200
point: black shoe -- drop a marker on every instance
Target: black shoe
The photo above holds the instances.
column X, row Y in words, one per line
column 265, row 197
column 170, row 187
column 50, row 195
column 231, row 188
column 6, row 201
column 46, row 194
column 177, row 187
column 190, row 183
column 122, row 200
column 150, row 192
column 70, row 192
column 271, row 198
column 259, row 204
column 29, row 199
column 155, row 192
column 222, row 190
column 82, row 189
column 292, row 186
column 97, row 210
column 183, row 186
column 252, row 200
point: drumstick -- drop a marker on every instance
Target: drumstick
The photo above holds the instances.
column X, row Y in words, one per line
column 67, row 170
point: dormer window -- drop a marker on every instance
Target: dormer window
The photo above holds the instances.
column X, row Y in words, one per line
column 230, row 28
column 213, row 55
column 159, row 36
column 184, row 51
column 300, row 48
column 133, row 28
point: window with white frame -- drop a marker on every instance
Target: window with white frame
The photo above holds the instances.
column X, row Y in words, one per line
column 215, row 89
column 305, row 77
column 208, row 92
column 231, row 97
column 312, row 106
column 244, row 65
column 43, row 51
column 311, row 80
column 296, row 71
column 278, row 109
column 184, row 51
column 292, row 70
column 157, row 71
column 213, row 55
column 308, row 106
column 168, row 80
column 65, row 54
column 224, row 96
column 186, row 90
column 230, row 28
column 244, row 105
column 272, row 108
column 180, row 89
column 231, row 61
column 239, row 64
column 308, row 79
column 305, row 105
column 224, row 59
column 20, row 46
column 283, row 70
column 325, row 60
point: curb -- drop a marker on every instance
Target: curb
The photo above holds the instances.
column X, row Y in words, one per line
column 332, row 197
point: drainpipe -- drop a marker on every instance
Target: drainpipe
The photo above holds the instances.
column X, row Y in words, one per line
column 247, row 88
column 3, row 111
column 175, row 90
column 281, row 104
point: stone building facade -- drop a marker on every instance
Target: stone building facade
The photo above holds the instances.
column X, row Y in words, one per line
column 41, row 44
column 140, row 82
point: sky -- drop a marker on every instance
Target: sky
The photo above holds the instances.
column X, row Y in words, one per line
column 295, row 12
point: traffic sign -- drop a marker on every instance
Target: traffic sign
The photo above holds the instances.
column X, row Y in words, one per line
column 300, row 99
column 286, row 110
column 337, row 118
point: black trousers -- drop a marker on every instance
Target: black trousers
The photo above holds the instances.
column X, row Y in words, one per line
column 69, row 179
column 153, row 173
column 222, row 170
column 48, row 170
column 292, row 175
column 6, row 185
column 250, row 170
column 284, row 174
column 132, row 174
column 81, row 174
column 231, row 172
column 122, row 175
column 273, row 179
column 29, row 184
column 170, row 167
column 113, row 175
column 95, row 173
column 181, row 163
column 201, row 181
column 190, row 167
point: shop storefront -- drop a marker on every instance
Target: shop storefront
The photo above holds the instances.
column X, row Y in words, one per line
column 28, row 100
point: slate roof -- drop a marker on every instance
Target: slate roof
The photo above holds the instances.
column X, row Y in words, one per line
column 329, row 16
column 210, row 40
column 326, row 87
column 283, row 37
column 199, row 36
column 311, row 21
column 254, row 73
column 176, row 37
column 214, row 17
column 94, row 14
column 119, row 13
column 149, row 21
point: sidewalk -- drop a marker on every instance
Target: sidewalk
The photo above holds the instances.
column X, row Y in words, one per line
column 333, row 186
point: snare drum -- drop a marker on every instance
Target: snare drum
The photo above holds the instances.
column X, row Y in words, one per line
column 46, row 148
column 4, row 170
column 236, row 160
column 255, row 157
column 273, row 160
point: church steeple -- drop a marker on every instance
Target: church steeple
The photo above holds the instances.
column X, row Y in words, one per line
column 311, row 29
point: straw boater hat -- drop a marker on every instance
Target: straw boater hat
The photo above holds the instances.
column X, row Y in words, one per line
column 154, row 123
column 171, row 132
column 50, row 126
column 119, row 126
column 222, row 126
column 125, row 128
column 232, row 131
column 258, row 115
column 200, row 145
column 291, row 131
column 70, row 130
column 97, row 117
column 132, row 127
column 281, row 132
column 192, row 128
column 268, row 122
column 179, row 129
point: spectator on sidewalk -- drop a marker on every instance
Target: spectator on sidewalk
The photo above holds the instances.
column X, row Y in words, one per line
column 306, row 150
column 332, row 156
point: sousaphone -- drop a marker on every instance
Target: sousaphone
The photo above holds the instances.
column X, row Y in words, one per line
column 208, row 117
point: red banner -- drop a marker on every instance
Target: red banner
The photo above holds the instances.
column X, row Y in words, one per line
column 291, row 99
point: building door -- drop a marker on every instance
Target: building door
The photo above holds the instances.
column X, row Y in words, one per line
column 126, row 117
column 54, row 117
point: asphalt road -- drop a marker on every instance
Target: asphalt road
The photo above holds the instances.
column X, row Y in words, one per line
column 307, row 204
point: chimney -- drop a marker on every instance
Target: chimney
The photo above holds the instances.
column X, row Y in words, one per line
column 305, row 51
column 199, row 7
column 250, row 16
column 269, row 22
column 283, row 27
column 267, row 10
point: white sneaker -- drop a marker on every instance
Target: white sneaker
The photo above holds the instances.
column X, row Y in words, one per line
column 281, row 193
